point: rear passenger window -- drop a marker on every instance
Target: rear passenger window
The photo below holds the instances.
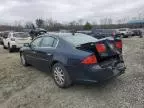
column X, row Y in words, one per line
column 48, row 42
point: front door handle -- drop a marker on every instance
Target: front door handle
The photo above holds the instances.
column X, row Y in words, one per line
column 49, row 54
column 33, row 52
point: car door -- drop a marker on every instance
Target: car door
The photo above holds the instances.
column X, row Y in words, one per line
column 31, row 54
column 45, row 52
column 6, row 39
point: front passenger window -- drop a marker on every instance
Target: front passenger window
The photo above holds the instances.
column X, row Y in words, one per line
column 47, row 42
column 36, row 43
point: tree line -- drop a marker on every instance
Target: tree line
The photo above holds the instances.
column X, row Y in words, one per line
column 53, row 25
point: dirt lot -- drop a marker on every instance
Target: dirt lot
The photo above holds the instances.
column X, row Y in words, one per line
column 22, row 87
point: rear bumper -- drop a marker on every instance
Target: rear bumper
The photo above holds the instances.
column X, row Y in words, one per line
column 94, row 73
column 105, row 73
column 16, row 45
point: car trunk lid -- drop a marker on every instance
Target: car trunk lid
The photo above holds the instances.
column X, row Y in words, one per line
column 103, row 49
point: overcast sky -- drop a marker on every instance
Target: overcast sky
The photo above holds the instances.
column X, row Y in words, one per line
column 68, row 10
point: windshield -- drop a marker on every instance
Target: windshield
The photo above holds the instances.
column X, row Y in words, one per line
column 79, row 39
column 22, row 35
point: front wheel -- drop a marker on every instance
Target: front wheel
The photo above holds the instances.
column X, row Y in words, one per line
column 61, row 76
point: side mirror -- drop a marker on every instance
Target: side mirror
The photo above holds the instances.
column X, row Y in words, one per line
column 26, row 45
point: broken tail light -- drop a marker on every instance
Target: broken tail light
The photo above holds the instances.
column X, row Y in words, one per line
column 118, row 44
column 90, row 60
column 101, row 48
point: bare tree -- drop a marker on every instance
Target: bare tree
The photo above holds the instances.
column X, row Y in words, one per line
column 40, row 23
column 29, row 25
column 106, row 21
column 80, row 21
column 94, row 22
column 109, row 21
column 18, row 26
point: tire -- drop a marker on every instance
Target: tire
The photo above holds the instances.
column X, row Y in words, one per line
column 23, row 60
column 125, row 36
column 4, row 47
column 9, row 48
column 61, row 76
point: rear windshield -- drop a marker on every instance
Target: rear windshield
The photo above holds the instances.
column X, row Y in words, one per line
column 22, row 35
column 79, row 39
column 5, row 34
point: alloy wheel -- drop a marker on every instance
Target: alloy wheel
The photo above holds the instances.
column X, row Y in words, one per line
column 59, row 75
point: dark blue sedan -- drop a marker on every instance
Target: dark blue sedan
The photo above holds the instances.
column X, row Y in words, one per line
column 73, row 58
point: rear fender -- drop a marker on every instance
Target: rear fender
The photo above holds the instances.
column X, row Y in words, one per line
column 60, row 58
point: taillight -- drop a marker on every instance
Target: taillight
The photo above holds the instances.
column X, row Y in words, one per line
column 101, row 48
column 90, row 60
column 12, row 39
column 118, row 44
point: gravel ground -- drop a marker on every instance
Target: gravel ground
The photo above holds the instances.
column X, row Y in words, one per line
column 26, row 87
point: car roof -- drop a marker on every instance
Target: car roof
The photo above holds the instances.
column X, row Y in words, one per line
column 62, row 34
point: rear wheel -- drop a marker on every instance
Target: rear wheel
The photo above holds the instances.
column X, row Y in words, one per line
column 61, row 76
column 9, row 48
column 23, row 60
column 4, row 47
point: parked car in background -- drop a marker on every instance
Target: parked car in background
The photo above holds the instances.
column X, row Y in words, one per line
column 142, row 32
column 88, row 32
column 109, row 34
column 1, row 38
column 73, row 58
column 125, row 32
column 15, row 40
column 136, row 32
column 103, row 33
column 4, row 35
